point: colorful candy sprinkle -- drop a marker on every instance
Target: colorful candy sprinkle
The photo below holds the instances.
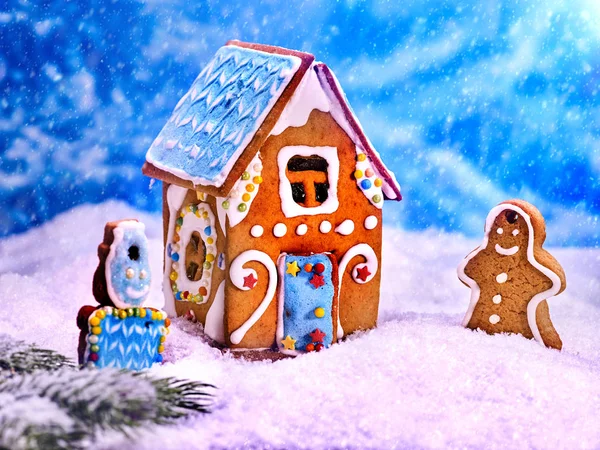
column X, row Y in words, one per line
column 207, row 265
column 377, row 198
column 93, row 339
column 225, row 204
column 319, row 312
column 202, row 291
column 179, row 221
column 175, row 257
column 95, row 321
column 210, row 241
column 208, row 231
column 319, row 267
column 365, row 184
column 250, row 187
column 94, row 348
column 369, row 172
column 358, row 174
column 101, row 314
column 308, row 267
column 122, row 314
column 361, row 157
column 96, row 330
column 246, row 197
column 210, row 257
column 378, row 182
column 246, row 176
column 93, row 357
column 242, row 207
column 257, row 179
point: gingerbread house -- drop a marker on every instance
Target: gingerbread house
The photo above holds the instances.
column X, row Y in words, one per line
column 272, row 200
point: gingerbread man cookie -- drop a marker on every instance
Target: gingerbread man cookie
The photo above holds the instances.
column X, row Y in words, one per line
column 511, row 276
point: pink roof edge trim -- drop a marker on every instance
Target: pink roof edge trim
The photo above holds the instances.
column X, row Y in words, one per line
column 325, row 74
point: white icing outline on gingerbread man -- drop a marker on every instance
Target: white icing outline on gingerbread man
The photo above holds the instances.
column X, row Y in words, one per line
column 538, row 298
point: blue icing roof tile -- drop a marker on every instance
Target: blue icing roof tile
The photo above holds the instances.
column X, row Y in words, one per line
column 217, row 118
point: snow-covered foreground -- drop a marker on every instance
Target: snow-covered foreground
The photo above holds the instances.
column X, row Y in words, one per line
column 419, row 380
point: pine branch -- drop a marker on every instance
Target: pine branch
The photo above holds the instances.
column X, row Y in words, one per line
column 19, row 357
column 45, row 403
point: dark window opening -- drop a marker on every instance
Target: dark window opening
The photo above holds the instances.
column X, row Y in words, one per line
column 308, row 179
column 298, row 193
column 195, row 254
column 134, row 253
column 321, row 191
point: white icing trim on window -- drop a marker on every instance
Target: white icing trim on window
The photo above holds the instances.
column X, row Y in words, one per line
column 175, row 197
column 289, row 207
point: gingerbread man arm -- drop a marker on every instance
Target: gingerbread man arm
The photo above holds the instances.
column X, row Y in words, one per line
column 547, row 260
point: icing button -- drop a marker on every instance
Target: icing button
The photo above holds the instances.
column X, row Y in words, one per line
column 279, row 230
column 256, row 231
column 501, row 278
column 497, row 299
column 325, row 227
column 494, row 319
column 371, row 222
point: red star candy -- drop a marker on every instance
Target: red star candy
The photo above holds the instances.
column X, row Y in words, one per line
column 362, row 273
column 317, row 335
column 317, row 281
column 250, row 281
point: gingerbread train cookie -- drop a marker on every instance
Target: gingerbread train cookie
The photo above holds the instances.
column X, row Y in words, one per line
column 511, row 276
column 122, row 332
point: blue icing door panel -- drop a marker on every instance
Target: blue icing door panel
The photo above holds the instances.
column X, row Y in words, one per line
column 308, row 298
column 130, row 343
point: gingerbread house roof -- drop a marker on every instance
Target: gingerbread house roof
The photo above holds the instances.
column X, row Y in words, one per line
column 218, row 126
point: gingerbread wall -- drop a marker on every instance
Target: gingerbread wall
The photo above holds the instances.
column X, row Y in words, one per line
column 358, row 302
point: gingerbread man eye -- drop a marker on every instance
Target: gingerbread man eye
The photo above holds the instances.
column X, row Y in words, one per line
column 129, row 273
column 511, row 216
column 143, row 274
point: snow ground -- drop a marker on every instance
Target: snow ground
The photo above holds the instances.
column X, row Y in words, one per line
column 419, row 380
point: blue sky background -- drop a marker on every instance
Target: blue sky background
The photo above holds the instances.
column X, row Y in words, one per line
column 469, row 102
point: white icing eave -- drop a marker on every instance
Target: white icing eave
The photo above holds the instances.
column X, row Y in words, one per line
column 308, row 96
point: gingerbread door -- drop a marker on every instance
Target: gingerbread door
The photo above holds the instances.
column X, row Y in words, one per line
column 307, row 302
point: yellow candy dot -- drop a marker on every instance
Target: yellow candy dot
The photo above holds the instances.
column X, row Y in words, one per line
column 210, row 257
column 95, row 321
column 205, row 215
column 378, row 182
column 361, row 157
column 154, row 315
column 96, row 330
column 257, row 179
column 143, row 312
column 163, row 339
column 358, row 174
column 122, row 313
column 319, row 312
column 246, row 197
column 161, row 348
column 101, row 314
column 177, row 229
column 173, row 276
column 210, row 241
column 250, row 187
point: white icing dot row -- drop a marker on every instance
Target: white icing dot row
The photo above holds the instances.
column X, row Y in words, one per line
column 345, row 228
column 502, row 277
column 497, row 299
column 494, row 319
